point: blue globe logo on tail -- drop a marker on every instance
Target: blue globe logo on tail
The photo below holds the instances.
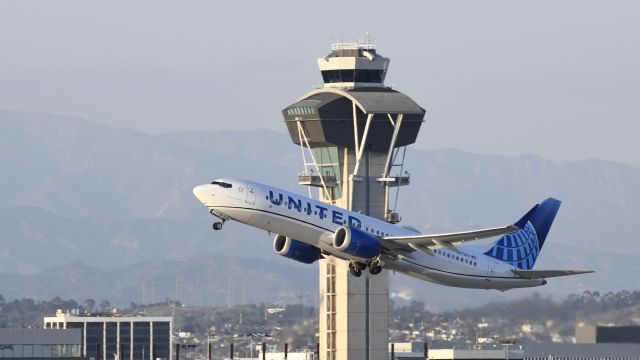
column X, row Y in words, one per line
column 521, row 248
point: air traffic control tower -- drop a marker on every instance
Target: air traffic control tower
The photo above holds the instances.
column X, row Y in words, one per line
column 353, row 133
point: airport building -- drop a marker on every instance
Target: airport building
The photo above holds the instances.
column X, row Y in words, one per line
column 119, row 337
column 408, row 350
column 298, row 355
column 40, row 344
column 459, row 354
column 566, row 351
column 597, row 334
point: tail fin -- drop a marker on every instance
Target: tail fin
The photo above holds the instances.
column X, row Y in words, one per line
column 522, row 247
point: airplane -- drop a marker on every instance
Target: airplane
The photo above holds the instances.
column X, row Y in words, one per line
column 308, row 230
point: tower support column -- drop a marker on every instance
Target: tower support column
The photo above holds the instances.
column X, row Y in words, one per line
column 353, row 313
column 354, row 310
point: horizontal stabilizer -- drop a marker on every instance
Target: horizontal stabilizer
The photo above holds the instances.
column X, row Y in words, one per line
column 542, row 274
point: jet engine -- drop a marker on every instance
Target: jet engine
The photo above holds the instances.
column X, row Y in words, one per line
column 356, row 242
column 296, row 250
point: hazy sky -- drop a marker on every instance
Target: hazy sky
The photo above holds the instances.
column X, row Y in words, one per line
column 560, row 79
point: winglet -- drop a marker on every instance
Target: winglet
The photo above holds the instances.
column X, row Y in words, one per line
column 520, row 224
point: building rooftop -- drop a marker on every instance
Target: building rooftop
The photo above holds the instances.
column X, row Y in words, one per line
column 66, row 317
column 40, row 337
column 372, row 100
column 365, row 44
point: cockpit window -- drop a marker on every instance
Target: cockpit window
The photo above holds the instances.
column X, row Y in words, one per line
column 220, row 183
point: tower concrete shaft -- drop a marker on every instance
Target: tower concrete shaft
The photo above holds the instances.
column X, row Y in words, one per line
column 354, row 310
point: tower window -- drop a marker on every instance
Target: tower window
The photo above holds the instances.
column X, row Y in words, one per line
column 347, row 75
column 369, row 76
column 362, row 76
column 301, row 110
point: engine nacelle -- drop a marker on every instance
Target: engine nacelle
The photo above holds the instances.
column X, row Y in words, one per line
column 296, row 250
column 356, row 242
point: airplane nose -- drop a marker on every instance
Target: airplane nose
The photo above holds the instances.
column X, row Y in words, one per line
column 202, row 193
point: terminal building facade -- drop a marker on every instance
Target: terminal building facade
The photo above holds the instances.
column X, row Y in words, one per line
column 119, row 337
column 592, row 334
column 41, row 344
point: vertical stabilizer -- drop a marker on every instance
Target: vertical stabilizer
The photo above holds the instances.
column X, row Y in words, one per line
column 522, row 247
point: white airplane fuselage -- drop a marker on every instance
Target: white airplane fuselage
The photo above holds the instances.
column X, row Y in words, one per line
column 314, row 222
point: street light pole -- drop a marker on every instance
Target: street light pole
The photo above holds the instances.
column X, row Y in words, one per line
column 208, row 347
column 506, row 343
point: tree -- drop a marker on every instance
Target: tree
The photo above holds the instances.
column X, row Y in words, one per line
column 105, row 305
column 89, row 305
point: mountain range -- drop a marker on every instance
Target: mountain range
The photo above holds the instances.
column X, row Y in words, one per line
column 87, row 210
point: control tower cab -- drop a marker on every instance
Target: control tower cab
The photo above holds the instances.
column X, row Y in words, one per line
column 350, row 65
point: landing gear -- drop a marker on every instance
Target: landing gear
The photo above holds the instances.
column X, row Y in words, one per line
column 375, row 270
column 374, row 267
column 355, row 269
column 217, row 225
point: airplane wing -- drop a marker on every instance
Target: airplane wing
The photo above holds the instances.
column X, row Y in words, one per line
column 403, row 245
column 422, row 241
column 542, row 274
